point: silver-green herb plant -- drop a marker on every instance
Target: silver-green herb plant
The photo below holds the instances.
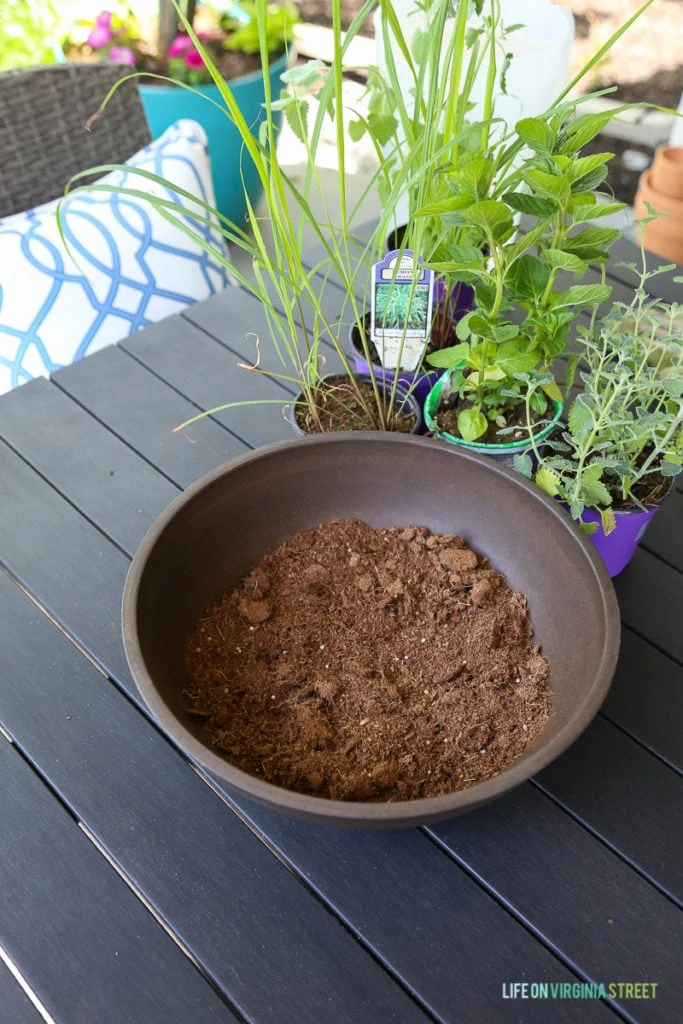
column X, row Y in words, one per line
column 624, row 436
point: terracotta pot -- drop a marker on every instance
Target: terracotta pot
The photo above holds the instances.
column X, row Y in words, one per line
column 663, row 236
column 667, row 171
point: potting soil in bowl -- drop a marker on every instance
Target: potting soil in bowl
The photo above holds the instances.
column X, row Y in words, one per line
column 358, row 663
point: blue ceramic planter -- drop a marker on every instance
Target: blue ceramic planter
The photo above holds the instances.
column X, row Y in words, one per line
column 165, row 104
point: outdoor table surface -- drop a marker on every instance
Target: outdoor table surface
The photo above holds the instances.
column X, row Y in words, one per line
column 136, row 889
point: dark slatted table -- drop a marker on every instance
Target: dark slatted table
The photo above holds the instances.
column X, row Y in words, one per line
column 136, row 890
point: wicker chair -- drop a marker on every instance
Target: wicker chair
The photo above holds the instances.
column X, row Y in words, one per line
column 43, row 138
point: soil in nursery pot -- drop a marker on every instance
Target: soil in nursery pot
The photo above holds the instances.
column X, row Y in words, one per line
column 339, row 408
column 449, row 409
column 650, row 491
column 231, row 64
column 359, row 663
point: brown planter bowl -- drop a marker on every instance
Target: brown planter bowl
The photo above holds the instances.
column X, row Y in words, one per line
column 209, row 538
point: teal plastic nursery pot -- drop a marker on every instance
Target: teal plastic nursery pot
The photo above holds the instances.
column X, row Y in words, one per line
column 233, row 170
column 504, row 453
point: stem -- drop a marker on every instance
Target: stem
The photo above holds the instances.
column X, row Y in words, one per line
column 491, row 75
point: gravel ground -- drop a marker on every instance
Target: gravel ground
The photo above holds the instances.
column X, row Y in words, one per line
column 647, row 64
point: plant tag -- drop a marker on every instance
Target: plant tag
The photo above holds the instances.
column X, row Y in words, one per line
column 401, row 315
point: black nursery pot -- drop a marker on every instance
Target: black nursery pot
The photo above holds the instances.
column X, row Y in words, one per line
column 220, row 528
column 404, row 399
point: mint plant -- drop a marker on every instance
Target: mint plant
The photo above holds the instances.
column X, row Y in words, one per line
column 475, row 181
column 522, row 317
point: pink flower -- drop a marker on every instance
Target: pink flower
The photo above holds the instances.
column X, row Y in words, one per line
column 194, row 59
column 100, row 36
column 104, row 19
column 123, row 55
column 180, row 45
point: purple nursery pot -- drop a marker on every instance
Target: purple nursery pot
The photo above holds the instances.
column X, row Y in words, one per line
column 420, row 382
column 618, row 548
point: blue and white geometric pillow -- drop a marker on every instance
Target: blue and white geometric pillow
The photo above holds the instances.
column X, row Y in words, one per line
column 125, row 266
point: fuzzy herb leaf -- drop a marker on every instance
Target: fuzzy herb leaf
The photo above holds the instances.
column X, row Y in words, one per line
column 609, row 522
column 382, row 127
column 356, row 129
column 579, row 417
column 524, row 465
column 297, row 119
column 548, row 480
column 576, row 508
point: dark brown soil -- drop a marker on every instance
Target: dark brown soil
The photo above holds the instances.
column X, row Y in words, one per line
column 370, row 664
column 230, row 64
column 447, row 419
column 338, row 407
column 650, row 491
column 319, row 12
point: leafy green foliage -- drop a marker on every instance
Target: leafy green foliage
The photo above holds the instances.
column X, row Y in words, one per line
column 30, row 31
column 626, row 425
column 277, row 28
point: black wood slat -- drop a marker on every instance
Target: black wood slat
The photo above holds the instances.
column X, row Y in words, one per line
column 592, row 779
column 649, row 593
column 599, row 912
column 74, row 569
column 646, row 698
column 82, row 940
column 240, row 912
column 103, row 477
column 664, row 535
column 420, row 915
column 143, row 411
column 17, row 1008
column 209, row 375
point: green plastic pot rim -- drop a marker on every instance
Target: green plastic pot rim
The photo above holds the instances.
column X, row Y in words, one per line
column 253, row 76
column 509, row 446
